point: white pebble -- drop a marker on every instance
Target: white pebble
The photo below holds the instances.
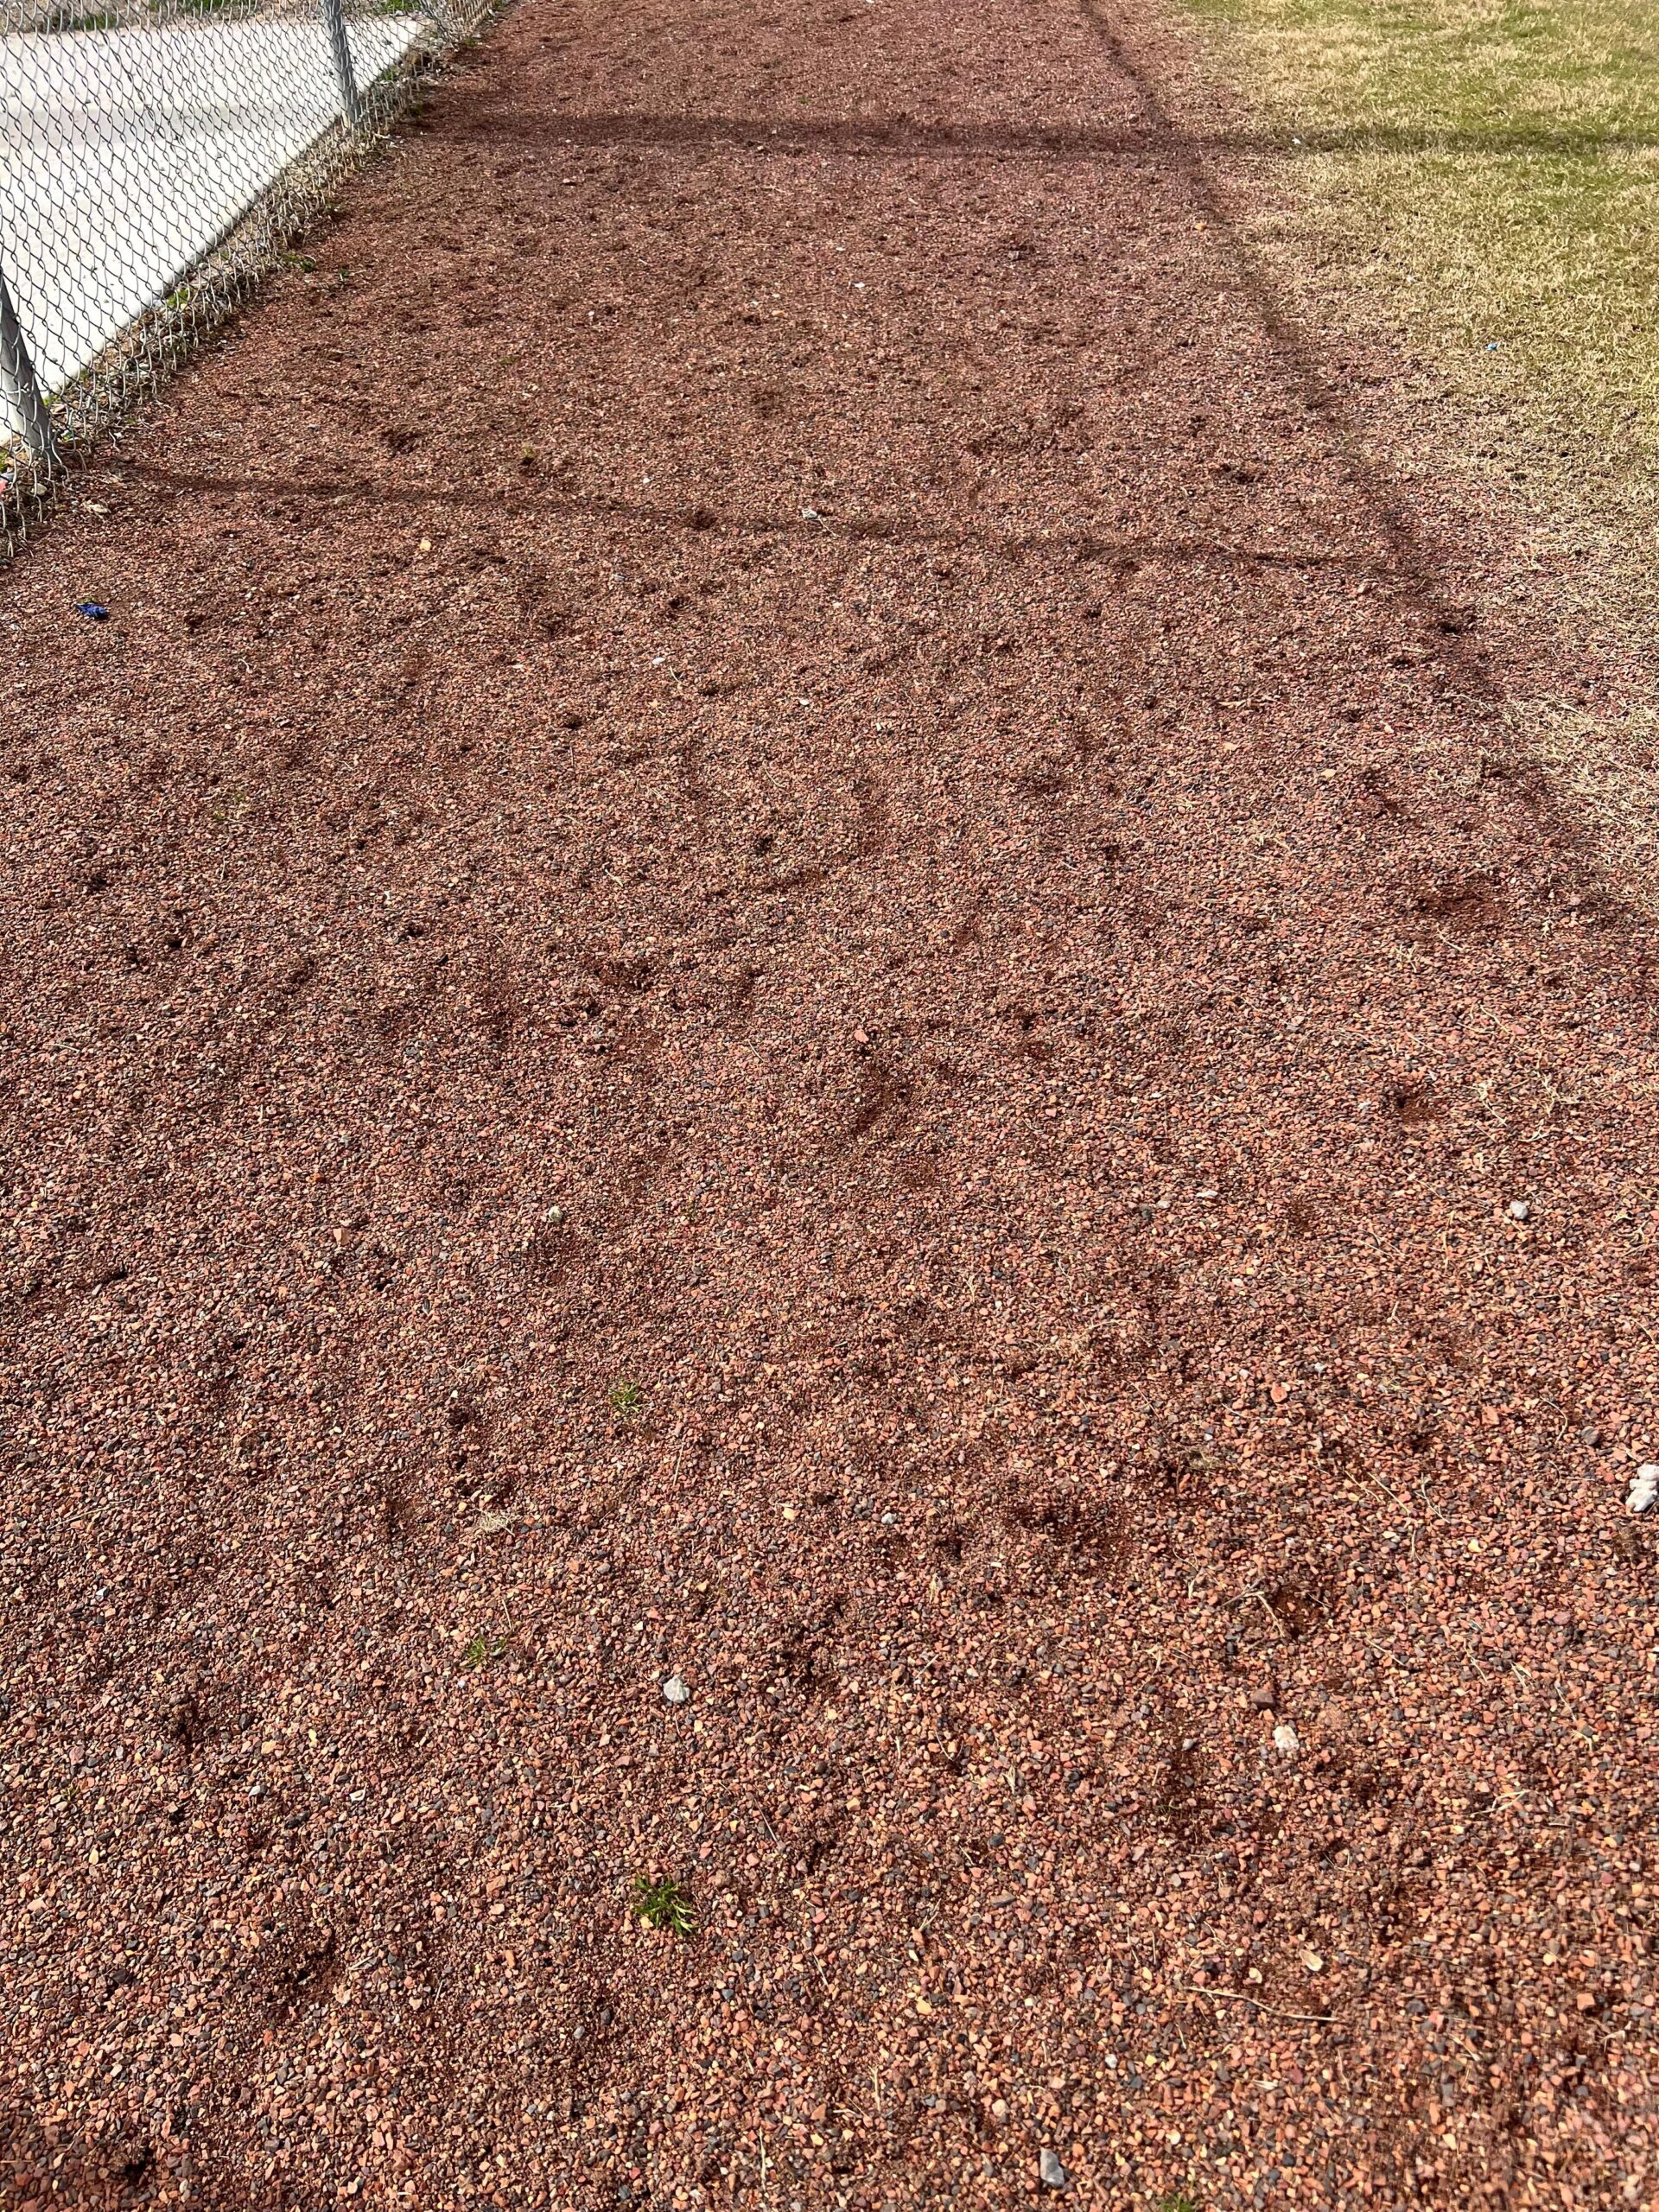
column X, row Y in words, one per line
column 1645, row 1488
column 1285, row 1740
column 1049, row 2172
column 675, row 1690
column 1519, row 1210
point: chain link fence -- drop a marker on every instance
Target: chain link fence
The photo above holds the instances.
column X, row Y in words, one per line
column 156, row 157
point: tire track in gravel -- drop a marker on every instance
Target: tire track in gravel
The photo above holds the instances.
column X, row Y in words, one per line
column 840, row 994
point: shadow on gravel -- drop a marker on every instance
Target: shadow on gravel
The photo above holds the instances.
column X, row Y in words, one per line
column 1078, row 545
column 903, row 136
column 1415, row 564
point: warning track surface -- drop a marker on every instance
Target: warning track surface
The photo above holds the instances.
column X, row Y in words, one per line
column 779, row 941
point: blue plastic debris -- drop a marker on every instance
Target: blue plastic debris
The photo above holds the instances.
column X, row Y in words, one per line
column 92, row 611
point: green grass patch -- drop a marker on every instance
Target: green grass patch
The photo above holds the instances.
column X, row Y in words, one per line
column 662, row 1903
column 483, row 1651
column 1485, row 173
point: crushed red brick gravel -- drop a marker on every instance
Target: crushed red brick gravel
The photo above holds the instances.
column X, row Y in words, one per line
column 798, row 1102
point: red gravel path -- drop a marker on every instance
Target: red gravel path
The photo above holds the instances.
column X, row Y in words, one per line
column 779, row 941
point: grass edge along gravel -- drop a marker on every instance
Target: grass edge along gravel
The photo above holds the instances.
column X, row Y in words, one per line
column 1475, row 184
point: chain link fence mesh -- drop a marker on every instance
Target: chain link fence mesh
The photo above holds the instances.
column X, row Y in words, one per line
column 156, row 157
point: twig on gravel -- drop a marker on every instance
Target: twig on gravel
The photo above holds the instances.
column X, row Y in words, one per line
column 1393, row 1497
column 1261, row 1600
column 1239, row 1996
column 1383, row 1491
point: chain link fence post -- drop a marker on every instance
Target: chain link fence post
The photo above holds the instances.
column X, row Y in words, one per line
column 350, row 105
column 155, row 157
column 20, row 392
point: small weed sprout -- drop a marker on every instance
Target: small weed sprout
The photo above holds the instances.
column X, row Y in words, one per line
column 1178, row 2200
column 483, row 1649
column 662, row 1903
column 626, row 1398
